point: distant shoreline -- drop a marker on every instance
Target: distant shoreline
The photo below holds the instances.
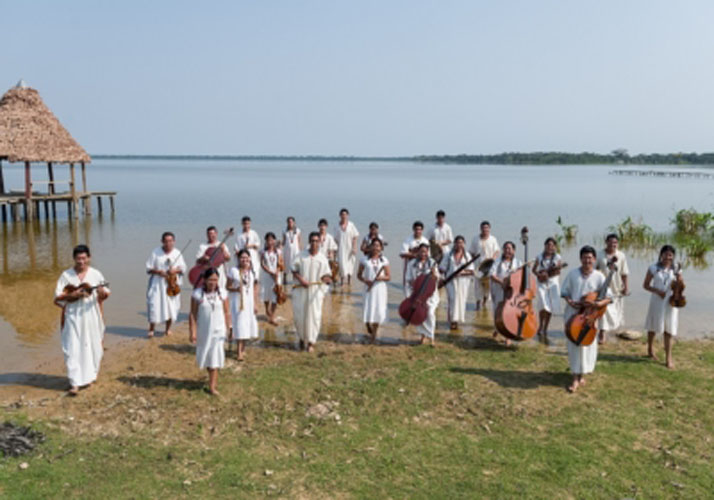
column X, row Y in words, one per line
column 537, row 158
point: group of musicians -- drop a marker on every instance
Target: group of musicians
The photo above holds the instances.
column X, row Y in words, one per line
column 224, row 305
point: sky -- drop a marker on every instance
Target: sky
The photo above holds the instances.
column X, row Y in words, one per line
column 368, row 77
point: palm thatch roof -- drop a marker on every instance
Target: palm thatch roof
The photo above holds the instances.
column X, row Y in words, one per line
column 30, row 132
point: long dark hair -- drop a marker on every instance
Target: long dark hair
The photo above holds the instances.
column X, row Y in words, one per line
column 663, row 250
column 207, row 274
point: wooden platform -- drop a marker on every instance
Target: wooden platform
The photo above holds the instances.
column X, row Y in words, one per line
column 12, row 202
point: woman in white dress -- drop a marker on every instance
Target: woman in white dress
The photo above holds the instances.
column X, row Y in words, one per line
column 207, row 326
column 374, row 272
column 271, row 263
column 547, row 269
column 577, row 284
column 82, row 319
column 292, row 245
column 500, row 270
column 243, row 288
column 420, row 265
column 662, row 318
column 457, row 290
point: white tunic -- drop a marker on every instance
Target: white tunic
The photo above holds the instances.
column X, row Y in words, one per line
column 245, row 324
column 375, row 300
column 582, row 358
column 457, row 290
column 267, row 284
column 221, row 269
column 548, row 291
column 442, row 233
column 501, row 269
column 83, row 329
column 415, row 268
column 662, row 317
column 307, row 302
column 291, row 247
column 250, row 238
column 345, row 246
column 161, row 307
column 210, row 328
column 327, row 245
column 487, row 249
column 614, row 317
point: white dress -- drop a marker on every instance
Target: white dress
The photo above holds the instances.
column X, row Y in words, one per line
column 457, row 290
column 614, row 317
column 267, row 285
column 414, row 270
column 291, row 247
column 408, row 245
column 442, row 233
column 160, row 307
column 345, row 258
column 245, row 324
column 582, row 358
column 221, row 269
column 548, row 291
column 210, row 328
column 83, row 329
column 501, row 269
column 487, row 249
column 375, row 300
column 250, row 238
column 662, row 317
column 307, row 302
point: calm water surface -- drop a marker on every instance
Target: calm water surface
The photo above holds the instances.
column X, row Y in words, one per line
column 185, row 196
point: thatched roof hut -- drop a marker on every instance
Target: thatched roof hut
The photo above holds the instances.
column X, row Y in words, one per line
column 29, row 132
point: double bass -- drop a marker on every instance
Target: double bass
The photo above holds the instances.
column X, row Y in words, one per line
column 515, row 317
column 214, row 258
column 582, row 328
column 414, row 309
column 677, row 299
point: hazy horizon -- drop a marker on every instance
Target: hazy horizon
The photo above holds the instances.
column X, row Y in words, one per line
column 339, row 78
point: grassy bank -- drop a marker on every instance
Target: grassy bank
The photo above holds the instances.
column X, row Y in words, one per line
column 467, row 419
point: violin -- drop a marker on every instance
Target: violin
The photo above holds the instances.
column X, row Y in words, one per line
column 515, row 317
column 677, row 299
column 335, row 270
column 86, row 289
column 374, row 281
column 582, row 328
column 414, row 309
column 280, row 296
column 458, row 270
column 213, row 257
column 172, row 285
column 435, row 250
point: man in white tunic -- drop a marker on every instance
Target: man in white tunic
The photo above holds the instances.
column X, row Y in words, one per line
column 577, row 284
column 410, row 249
column 441, row 233
column 614, row 318
column 82, row 319
column 346, row 235
column 312, row 274
column 249, row 240
column 485, row 245
column 211, row 243
column 163, row 263
column 423, row 264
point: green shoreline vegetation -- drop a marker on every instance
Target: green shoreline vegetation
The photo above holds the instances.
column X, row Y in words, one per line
column 616, row 157
column 468, row 419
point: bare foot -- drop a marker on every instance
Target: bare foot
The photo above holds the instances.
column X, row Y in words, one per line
column 454, row 325
column 652, row 356
column 508, row 343
column 240, row 359
column 422, row 340
column 214, row 392
column 168, row 333
column 310, row 348
column 670, row 364
column 150, row 334
column 73, row 391
column 574, row 386
column 273, row 322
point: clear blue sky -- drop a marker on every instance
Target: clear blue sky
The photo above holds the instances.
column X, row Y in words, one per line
column 369, row 77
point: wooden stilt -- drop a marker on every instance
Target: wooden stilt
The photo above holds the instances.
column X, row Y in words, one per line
column 47, row 210
column 73, row 192
column 2, row 191
column 87, row 202
column 111, row 203
column 99, row 204
column 28, row 192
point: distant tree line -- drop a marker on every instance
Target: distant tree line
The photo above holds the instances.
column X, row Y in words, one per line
column 617, row 157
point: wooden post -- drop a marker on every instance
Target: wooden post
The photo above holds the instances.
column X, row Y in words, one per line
column 87, row 201
column 51, row 187
column 47, row 210
column 73, row 191
column 28, row 193
column 2, row 192
column 111, row 203
column 99, row 203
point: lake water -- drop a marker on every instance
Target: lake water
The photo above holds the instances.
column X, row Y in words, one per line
column 185, row 196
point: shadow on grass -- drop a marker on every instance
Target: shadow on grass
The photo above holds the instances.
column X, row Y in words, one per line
column 625, row 358
column 40, row 380
column 126, row 331
column 179, row 348
column 518, row 379
column 150, row 382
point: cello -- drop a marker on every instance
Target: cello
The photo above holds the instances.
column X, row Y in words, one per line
column 214, row 258
column 515, row 317
column 582, row 328
column 414, row 309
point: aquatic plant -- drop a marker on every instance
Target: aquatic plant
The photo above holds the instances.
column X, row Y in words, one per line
column 634, row 233
column 569, row 231
column 690, row 221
